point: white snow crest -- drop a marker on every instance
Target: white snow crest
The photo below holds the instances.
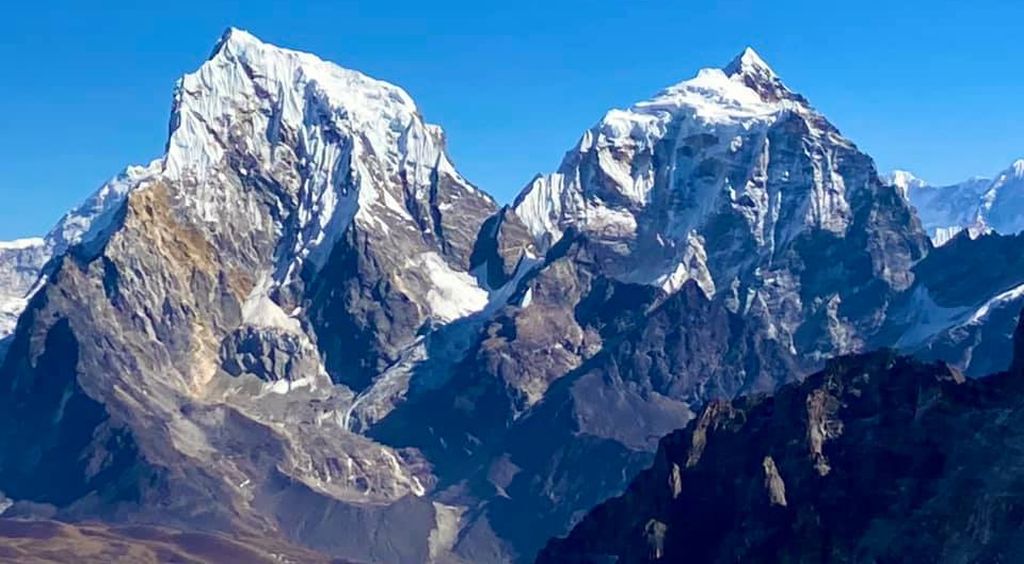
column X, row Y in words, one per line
column 22, row 244
column 1008, row 296
column 91, row 219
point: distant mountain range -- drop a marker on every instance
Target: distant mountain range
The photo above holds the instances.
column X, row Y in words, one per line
column 977, row 205
column 303, row 323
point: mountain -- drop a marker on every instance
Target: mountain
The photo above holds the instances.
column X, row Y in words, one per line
column 735, row 182
column 721, row 238
column 875, row 458
column 20, row 264
column 22, row 261
column 304, row 312
column 905, row 181
column 977, row 205
column 304, row 224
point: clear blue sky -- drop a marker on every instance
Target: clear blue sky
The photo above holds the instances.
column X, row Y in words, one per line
column 931, row 86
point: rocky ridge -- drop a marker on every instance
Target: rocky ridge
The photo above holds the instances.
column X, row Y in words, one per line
column 876, row 458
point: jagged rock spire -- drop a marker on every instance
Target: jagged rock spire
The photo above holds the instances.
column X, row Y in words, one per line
column 749, row 68
column 748, row 62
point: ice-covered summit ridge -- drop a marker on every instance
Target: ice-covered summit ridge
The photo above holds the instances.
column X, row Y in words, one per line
column 716, row 98
column 341, row 145
column 669, row 151
column 746, row 88
column 245, row 74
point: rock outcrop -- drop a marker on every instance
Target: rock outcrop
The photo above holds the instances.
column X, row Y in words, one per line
column 876, row 458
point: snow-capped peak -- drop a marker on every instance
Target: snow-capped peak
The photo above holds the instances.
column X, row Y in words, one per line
column 297, row 92
column 978, row 204
column 1017, row 168
column 340, row 143
column 245, row 75
column 652, row 177
column 905, row 178
column 729, row 103
column 904, row 181
column 233, row 36
column 749, row 62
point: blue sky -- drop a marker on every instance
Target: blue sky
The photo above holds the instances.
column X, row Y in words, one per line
column 934, row 87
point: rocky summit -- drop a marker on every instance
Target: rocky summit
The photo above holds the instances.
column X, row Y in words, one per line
column 302, row 323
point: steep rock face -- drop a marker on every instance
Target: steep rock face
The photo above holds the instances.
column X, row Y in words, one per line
column 732, row 180
column 204, row 340
column 375, row 225
column 22, row 262
column 503, row 245
column 875, row 458
column 497, row 424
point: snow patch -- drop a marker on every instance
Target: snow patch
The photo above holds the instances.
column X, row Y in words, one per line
column 982, row 312
column 691, row 266
column 285, row 386
column 447, row 524
column 259, row 310
column 451, row 294
column 527, row 298
column 539, row 207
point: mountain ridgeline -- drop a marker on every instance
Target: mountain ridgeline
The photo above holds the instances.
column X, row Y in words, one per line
column 877, row 458
column 303, row 312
